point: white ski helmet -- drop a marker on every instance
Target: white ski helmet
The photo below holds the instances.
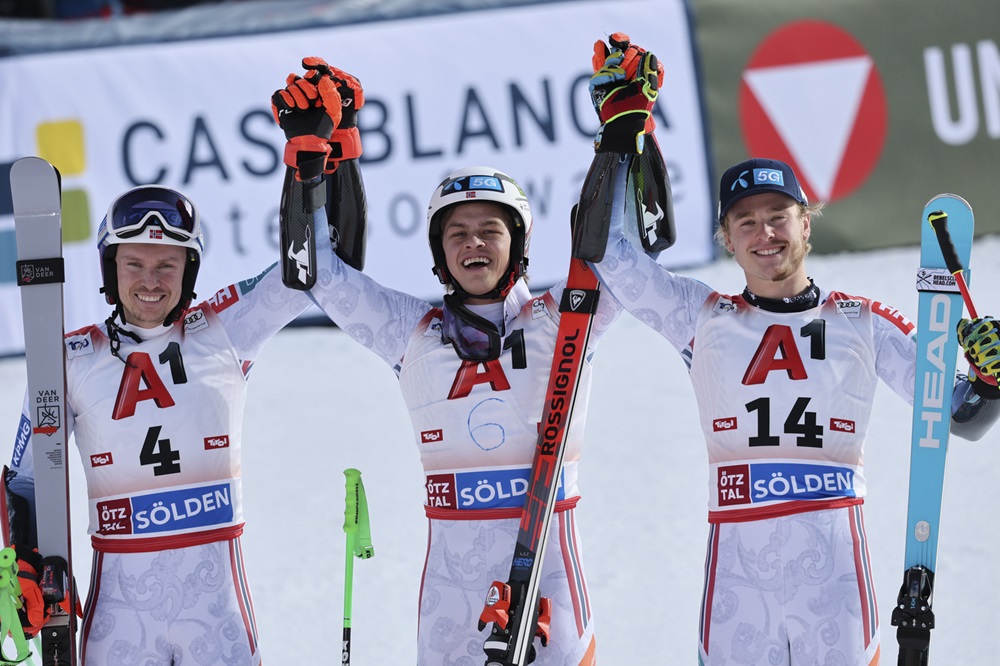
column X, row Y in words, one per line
column 155, row 215
column 481, row 183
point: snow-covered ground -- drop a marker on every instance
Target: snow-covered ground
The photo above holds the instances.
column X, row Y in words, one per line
column 319, row 404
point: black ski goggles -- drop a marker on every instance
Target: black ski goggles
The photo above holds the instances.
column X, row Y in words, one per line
column 136, row 210
column 473, row 337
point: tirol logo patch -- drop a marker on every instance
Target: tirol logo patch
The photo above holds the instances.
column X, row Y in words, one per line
column 722, row 425
column 843, row 425
column 101, row 459
column 431, row 436
column 220, row 442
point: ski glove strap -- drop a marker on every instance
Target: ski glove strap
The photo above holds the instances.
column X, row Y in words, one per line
column 624, row 87
column 980, row 339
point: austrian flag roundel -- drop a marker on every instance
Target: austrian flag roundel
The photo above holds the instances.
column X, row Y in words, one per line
column 811, row 96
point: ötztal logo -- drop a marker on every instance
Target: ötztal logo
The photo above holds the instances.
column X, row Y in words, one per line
column 811, row 96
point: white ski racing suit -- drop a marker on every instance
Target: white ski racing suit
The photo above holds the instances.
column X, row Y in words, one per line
column 159, row 432
column 784, row 392
column 476, row 427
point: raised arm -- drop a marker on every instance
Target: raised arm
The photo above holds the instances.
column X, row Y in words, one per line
column 318, row 113
column 624, row 88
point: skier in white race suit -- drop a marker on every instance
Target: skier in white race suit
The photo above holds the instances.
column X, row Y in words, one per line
column 155, row 398
column 784, row 375
column 473, row 374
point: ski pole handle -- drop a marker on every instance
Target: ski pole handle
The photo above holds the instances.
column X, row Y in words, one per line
column 359, row 544
column 353, row 477
column 356, row 521
column 939, row 222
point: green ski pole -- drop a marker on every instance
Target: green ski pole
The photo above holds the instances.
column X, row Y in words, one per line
column 10, row 602
column 359, row 544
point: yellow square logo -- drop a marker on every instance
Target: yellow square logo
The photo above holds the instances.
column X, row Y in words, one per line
column 61, row 144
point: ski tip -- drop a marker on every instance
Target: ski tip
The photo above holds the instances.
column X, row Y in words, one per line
column 946, row 195
column 31, row 165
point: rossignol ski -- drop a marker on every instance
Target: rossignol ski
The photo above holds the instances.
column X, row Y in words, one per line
column 514, row 609
column 35, row 189
column 940, row 309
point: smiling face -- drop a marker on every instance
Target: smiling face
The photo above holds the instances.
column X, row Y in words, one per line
column 150, row 279
column 768, row 235
column 476, row 243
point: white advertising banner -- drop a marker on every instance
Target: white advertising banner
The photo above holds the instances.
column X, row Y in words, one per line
column 505, row 88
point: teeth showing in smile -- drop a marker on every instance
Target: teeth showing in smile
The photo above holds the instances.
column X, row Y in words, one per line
column 471, row 261
column 148, row 298
column 768, row 252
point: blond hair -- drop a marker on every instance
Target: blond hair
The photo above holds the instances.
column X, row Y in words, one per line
column 812, row 210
